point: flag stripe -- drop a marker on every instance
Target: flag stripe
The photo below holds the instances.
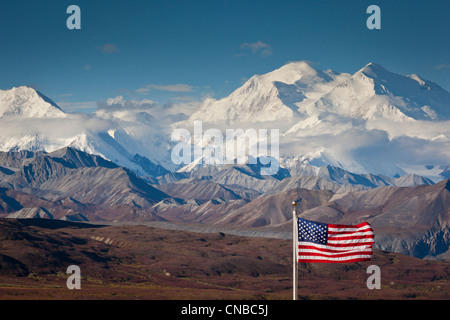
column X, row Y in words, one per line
column 356, row 234
column 333, row 243
column 346, row 227
column 340, row 257
column 366, row 238
column 331, row 250
column 336, row 228
column 343, row 245
column 355, row 241
column 332, row 254
column 341, row 260
column 352, row 236
column 337, row 248
column 341, row 231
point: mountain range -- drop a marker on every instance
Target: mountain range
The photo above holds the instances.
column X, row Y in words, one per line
column 371, row 122
column 299, row 91
column 369, row 146
column 31, row 121
column 72, row 185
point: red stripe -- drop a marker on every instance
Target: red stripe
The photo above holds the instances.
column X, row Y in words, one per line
column 332, row 261
column 317, row 248
column 338, row 255
column 350, row 244
column 327, row 249
column 349, row 231
column 347, row 226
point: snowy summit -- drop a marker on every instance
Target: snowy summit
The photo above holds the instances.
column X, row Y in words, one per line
column 26, row 102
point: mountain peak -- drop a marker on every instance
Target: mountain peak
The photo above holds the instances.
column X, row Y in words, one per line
column 27, row 102
column 299, row 66
column 373, row 65
column 373, row 69
column 292, row 72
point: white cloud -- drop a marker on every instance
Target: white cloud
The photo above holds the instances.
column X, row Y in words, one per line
column 119, row 103
column 110, row 48
column 258, row 47
column 442, row 66
column 376, row 146
column 143, row 90
column 77, row 106
column 170, row 87
column 178, row 109
column 54, row 130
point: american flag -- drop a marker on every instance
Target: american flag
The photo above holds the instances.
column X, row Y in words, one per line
column 333, row 243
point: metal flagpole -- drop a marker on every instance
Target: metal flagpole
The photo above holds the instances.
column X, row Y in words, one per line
column 294, row 249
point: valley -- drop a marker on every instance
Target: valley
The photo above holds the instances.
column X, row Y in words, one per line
column 72, row 185
column 144, row 263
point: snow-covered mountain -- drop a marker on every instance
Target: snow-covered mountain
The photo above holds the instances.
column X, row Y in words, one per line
column 31, row 121
column 373, row 121
column 270, row 97
column 297, row 89
column 375, row 93
column 26, row 102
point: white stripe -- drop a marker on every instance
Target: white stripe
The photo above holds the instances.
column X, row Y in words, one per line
column 305, row 243
column 349, row 229
column 303, row 251
column 360, row 256
column 364, row 240
column 351, row 234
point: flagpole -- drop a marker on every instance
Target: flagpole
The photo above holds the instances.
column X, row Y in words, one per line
column 294, row 251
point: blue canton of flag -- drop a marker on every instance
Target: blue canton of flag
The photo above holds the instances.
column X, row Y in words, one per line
column 312, row 231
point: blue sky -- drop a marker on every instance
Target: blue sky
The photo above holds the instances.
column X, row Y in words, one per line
column 173, row 50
